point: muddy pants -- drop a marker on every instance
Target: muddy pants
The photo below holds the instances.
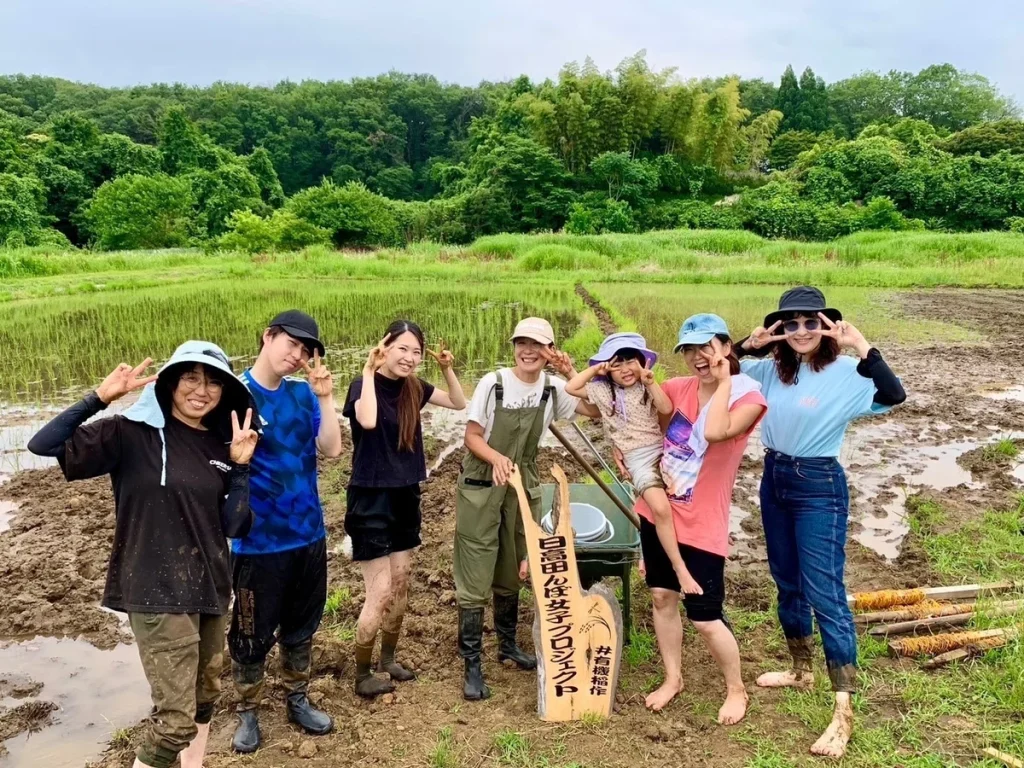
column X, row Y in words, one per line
column 182, row 655
column 490, row 539
column 279, row 598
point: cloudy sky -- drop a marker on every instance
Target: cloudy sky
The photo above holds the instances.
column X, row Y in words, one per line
column 122, row 42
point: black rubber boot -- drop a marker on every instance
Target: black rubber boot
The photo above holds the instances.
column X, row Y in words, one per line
column 295, row 662
column 471, row 642
column 506, row 618
column 369, row 685
column 248, row 680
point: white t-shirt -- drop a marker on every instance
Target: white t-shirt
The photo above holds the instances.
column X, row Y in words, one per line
column 518, row 394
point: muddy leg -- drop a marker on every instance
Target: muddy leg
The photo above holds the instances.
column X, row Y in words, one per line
column 668, row 628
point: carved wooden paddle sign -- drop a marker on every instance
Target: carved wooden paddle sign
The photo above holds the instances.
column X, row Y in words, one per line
column 577, row 633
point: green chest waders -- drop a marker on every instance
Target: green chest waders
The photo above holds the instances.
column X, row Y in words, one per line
column 490, row 539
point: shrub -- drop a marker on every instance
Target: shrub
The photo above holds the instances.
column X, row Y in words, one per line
column 140, row 212
column 563, row 257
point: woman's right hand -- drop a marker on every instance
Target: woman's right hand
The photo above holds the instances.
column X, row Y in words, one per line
column 502, row 467
column 124, row 379
column 761, row 337
column 378, row 355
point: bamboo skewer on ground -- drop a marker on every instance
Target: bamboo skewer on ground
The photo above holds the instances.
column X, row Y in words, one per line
column 937, row 644
column 889, row 598
column 945, row 620
column 1008, row 760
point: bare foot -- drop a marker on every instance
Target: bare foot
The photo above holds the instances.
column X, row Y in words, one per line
column 833, row 741
column 788, row 679
column 734, row 708
column 660, row 698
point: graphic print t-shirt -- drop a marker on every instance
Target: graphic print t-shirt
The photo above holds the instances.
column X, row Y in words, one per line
column 699, row 488
column 518, row 394
column 283, row 489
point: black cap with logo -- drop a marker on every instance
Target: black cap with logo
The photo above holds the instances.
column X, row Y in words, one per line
column 300, row 326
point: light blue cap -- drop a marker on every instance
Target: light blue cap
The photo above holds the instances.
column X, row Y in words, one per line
column 700, row 329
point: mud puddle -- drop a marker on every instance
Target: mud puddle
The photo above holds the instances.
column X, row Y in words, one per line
column 94, row 693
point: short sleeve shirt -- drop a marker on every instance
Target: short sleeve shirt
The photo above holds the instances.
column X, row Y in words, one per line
column 169, row 553
column 627, row 419
column 701, row 514
column 809, row 417
column 283, row 491
column 518, row 394
column 377, row 461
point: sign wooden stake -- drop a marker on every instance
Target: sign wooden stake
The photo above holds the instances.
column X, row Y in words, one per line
column 577, row 633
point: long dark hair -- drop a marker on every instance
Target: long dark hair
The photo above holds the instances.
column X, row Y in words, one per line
column 411, row 397
column 787, row 361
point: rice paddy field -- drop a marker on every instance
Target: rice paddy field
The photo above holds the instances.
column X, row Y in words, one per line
column 937, row 489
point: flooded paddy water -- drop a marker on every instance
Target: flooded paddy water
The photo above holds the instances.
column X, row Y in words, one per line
column 54, row 537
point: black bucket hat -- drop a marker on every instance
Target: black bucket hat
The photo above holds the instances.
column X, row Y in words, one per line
column 803, row 300
column 300, row 326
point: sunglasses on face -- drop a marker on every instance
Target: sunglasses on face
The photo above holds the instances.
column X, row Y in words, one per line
column 806, row 323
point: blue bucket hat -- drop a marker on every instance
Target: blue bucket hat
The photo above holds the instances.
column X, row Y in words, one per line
column 618, row 342
column 700, row 329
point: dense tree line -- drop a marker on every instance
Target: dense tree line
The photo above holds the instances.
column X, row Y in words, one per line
column 386, row 160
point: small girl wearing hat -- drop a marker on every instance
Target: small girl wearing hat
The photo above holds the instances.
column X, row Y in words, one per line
column 620, row 382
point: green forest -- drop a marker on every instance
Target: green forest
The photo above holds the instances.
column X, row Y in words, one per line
column 399, row 158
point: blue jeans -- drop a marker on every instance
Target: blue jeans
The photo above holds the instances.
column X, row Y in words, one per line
column 805, row 504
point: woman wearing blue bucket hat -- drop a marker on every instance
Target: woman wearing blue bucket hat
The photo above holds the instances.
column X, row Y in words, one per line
column 813, row 393
column 706, row 431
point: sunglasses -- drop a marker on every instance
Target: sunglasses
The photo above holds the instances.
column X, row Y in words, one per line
column 807, row 323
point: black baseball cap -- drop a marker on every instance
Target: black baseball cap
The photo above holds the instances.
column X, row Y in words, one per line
column 300, row 326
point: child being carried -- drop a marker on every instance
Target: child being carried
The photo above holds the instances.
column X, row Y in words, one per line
column 620, row 382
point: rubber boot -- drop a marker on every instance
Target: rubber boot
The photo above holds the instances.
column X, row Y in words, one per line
column 471, row 642
column 506, row 618
column 192, row 755
column 249, row 684
column 388, row 644
column 367, row 684
column 295, row 663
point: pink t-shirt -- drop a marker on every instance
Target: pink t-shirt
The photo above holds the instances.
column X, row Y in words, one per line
column 701, row 509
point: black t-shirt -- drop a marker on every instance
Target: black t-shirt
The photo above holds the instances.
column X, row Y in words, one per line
column 377, row 461
column 170, row 554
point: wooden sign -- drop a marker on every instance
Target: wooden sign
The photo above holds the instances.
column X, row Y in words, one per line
column 577, row 633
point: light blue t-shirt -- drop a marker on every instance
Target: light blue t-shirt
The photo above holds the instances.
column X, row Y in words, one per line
column 809, row 418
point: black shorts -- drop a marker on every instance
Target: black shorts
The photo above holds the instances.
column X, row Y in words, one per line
column 382, row 520
column 706, row 568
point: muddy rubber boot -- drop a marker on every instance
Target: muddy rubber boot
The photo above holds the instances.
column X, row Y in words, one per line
column 388, row 644
column 367, row 684
column 248, row 680
column 295, row 662
column 471, row 642
column 506, row 618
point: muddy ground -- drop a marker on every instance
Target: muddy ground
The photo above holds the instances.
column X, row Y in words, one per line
column 53, row 558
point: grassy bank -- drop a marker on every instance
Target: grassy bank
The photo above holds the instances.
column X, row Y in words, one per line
column 867, row 259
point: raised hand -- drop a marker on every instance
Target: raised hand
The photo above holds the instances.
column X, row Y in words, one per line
column 502, row 467
column 558, row 360
column 845, row 334
column 443, row 356
column 320, row 378
column 718, row 363
column 762, row 337
column 378, row 355
column 644, row 374
column 124, row 379
column 243, row 439
column 603, row 369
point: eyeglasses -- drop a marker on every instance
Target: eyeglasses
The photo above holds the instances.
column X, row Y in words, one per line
column 807, row 323
column 191, row 381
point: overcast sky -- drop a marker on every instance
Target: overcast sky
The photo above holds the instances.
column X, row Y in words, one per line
column 124, row 42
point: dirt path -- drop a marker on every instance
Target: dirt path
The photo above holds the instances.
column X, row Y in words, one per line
column 604, row 319
column 53, row 558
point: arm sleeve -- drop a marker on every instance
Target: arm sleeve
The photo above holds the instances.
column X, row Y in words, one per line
column 93, row 450
column 317, row 415
column 566, row 402
column 50, row 440
column 757, row 369
column 888, row 388
column 742, row 352
column 355, row 391
column 428, row 392
column 483, row 393
column 751, row 398
column 235, row 515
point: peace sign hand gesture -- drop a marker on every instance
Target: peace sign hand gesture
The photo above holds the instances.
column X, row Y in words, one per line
column 558, row 360
column 646, row 375
column 124, row 379
column 845, row 334
column 378, row 355
column 243, row 439
column 718, row 363
column 444, row 357
column 320, row 378
column 762, row 337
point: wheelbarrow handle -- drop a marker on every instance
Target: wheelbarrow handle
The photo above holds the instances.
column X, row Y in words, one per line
column 629, row 513
column 583, row 436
